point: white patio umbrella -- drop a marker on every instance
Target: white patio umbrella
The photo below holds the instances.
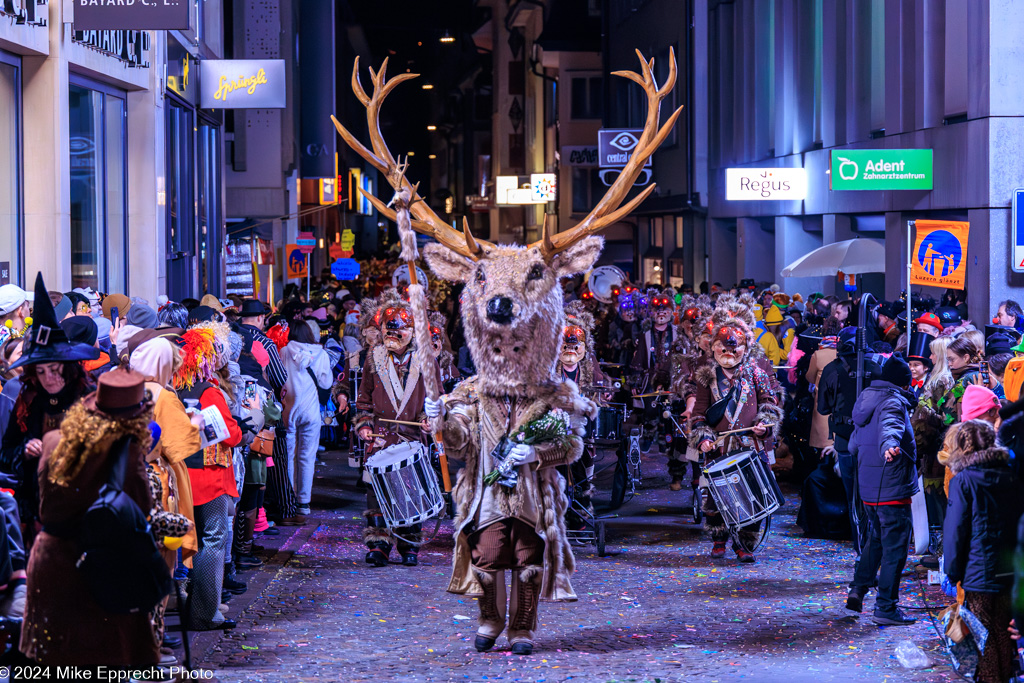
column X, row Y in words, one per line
column 849, row 256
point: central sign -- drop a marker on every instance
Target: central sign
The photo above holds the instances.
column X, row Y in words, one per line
column 750, row 184
column 242, row 84
column 881, row 169
column 615, row 146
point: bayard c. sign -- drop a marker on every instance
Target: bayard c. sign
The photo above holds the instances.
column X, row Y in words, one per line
column 242, row 84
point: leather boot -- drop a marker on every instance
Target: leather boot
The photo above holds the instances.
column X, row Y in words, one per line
column 377, row 537
column 522, row 622
column 492, row 608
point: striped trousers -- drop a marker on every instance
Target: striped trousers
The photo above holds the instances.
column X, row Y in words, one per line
column 280, row 494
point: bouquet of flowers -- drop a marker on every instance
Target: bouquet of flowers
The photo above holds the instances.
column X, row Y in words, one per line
column 551, row 427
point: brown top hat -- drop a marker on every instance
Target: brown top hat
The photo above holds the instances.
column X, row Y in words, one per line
column 120, row 393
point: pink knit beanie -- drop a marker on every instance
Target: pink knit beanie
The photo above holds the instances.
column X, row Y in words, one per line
column 977, row 401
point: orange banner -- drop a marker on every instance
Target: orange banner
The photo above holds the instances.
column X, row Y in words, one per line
column 939, row 258
column 296, row 262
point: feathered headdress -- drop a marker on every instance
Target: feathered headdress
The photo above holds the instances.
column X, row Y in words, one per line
column 279, row 335
column 200, row 357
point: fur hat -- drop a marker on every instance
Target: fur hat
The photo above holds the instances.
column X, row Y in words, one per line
column 389, row 298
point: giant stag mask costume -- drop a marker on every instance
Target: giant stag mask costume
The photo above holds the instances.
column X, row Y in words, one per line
column 513, row 319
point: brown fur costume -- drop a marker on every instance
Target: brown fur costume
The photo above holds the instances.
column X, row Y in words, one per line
column 474, row 426
column 514, row 359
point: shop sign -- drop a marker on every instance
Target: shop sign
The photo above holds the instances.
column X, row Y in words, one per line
column 940, row 254
column 760, row 184
column 537, row 188
column 242, row 84
column 881, row 169
column 129, row 47
column 306, row 242
column 584, row 155
column 345, row 269
column 615, row 146
column 296, row 262
column 136, row 15
column 1017, row 230
column 5, row 272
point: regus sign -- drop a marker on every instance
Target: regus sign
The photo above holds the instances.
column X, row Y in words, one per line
column 764, row 184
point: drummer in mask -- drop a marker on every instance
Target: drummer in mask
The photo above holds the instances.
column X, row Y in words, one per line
column 391, row 389
column 577, row 362
column 732, row 393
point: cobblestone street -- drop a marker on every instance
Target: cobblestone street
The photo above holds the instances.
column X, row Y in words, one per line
column 657, row 608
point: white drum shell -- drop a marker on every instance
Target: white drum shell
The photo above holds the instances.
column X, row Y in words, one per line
column 405, row 484
column 740, row 485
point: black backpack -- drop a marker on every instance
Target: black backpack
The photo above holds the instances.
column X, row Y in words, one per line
column 120, row 560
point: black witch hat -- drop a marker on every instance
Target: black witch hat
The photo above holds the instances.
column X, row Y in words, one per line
column 46, row 341
column 920, row 348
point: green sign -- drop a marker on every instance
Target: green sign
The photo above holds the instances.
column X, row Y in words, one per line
column 881, row 169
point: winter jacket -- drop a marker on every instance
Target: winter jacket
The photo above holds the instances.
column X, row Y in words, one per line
column 981, row 520
column 881, row 420
column 300, row 394
column 837, row 393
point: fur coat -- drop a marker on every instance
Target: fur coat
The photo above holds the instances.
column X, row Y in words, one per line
column 756, row 402
column 472, row 428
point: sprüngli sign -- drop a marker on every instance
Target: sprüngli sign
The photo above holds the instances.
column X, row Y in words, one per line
column 242, row 84
column 881, row 169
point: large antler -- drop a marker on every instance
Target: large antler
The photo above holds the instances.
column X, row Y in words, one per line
column 426, row 221
column 607, row 210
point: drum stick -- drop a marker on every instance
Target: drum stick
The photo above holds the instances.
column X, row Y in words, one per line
column 404, row 197
column 733, row 431
column 656, row 393
column 402, row 422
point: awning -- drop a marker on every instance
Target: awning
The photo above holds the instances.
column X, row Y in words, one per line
column 678, row 254
column 655, row 253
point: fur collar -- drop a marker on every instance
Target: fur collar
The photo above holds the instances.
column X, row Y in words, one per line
column 961, row 460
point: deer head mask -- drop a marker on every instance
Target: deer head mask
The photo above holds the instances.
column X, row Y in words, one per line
column 512, row 301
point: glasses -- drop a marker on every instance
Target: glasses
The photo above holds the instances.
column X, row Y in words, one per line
column 610, row 175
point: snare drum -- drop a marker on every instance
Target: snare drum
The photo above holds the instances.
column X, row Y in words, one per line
column 741, row 486
column 609, row 424
column 405, row 484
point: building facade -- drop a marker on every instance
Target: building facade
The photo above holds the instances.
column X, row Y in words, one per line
column 100, row 171
column 790, row 81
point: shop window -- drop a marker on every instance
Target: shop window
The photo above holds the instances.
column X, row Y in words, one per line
column 10, row 166
column 210, row 235
column 587, row 188
column 99, row 194
column 586, row 97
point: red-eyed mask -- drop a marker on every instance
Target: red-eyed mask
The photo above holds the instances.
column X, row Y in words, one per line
column 396, row 326
column 574, row 344
column 436, row 339
column 729, row 347
column 662, row 309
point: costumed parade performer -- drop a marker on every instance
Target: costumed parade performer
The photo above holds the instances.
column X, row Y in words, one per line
column 392, row 388
column 578, row 364
column 511, row 422
column 733, row 393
